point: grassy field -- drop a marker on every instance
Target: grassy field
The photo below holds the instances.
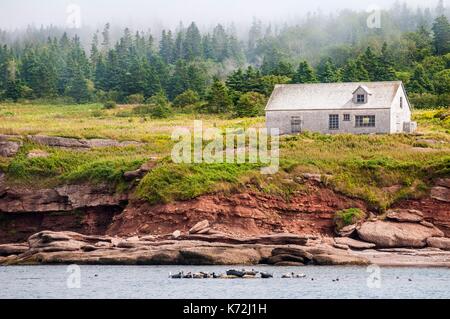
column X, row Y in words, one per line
column 378, row 168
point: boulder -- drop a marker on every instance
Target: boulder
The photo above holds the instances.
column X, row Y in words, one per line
column 405, row 215
column 346, row 231
column 355, row 244
column 13, row 249
column 141, row 172
column 37, row 154
column 441, row 193
column 443, row 182
column 340, row 246
column 176, row 234
column 282, row 239
column 74, row 143
column 219, row 256
column 335, row 259
column 439, row 242
column 9, row 148
column 98, row 143
column 386, row 234
column 55, row 141
column 199, row 227
column 312, row 177
column 426, row 224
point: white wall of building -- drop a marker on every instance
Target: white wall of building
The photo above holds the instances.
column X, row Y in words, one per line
column 318, row 121
column 400, row 115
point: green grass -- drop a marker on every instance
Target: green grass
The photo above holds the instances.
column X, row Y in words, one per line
column 170, row 182
column 381, row 169
column 348, row 217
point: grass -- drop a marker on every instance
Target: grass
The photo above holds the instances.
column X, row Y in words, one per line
column 170, row 182
column 348, row 217
column 381, row 169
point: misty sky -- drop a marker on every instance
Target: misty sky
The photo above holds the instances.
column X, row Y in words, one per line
column 142, row 13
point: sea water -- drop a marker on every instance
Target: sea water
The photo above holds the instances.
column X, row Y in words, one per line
column 153, row 282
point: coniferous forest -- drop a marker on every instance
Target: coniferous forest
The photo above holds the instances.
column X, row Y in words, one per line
column 223, row 70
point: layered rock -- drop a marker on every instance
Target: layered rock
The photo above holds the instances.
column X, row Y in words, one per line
column 352, row 243
column 438, row 242
column 74, row 143
column 68, row 247
column 65, row 198
column 241, row 215
column 405, row 215
column 9, row 148
column 392, row 234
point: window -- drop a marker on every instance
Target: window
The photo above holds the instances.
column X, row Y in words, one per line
column 334, row 122
column 401, row 102
column 360, row 98
column 347, row 117
column 296, row 124
column 365, row 121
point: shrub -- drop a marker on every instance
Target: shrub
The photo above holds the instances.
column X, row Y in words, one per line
column 250, row 104
column 135, row 99
column 186, row 98
column 348, row 217
column 109, row 105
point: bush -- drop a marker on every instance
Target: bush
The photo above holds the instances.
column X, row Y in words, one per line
column 348, row 217
column 109, row 105
column 135, row 99
column 186, row 98
column 428, row 100
column 250, row 104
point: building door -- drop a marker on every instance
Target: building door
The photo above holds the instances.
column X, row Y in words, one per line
column 296, row 124
column 398, row 122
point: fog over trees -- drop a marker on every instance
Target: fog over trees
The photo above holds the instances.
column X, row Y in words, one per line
column 234, row 59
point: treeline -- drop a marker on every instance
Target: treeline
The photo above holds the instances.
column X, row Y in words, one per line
column 217, row 72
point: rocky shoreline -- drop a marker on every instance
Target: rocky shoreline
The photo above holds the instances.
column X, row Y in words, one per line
column 204, row 247
column 93, row 224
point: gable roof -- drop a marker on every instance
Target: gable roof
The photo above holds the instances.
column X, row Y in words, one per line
column 365, row 88
column 319, row 96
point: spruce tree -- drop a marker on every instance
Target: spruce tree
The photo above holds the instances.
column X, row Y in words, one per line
column 218, row 98
column 441, row 29
column 192, row 43
column 304, row 74
column 419, row 82
column 354, row 71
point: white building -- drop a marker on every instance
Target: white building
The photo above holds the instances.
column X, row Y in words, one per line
column 359, row 108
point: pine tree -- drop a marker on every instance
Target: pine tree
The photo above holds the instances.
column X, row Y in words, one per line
column 78, row 87
column 219, row 100
column 193, row 43
column 385, row 70
column 106, row 38
column 166, row 47
column 441, row 29
column 304, row 74
column 237, row 81
column 371, row 63
column 419, row 82
column 95, row 53
column 354, row 71
column 327, row 72
column 160, row 105
column 220, row 43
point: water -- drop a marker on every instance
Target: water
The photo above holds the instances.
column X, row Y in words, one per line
column 147, row 282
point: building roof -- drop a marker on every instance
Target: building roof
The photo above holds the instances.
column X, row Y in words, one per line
column 331, row 96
